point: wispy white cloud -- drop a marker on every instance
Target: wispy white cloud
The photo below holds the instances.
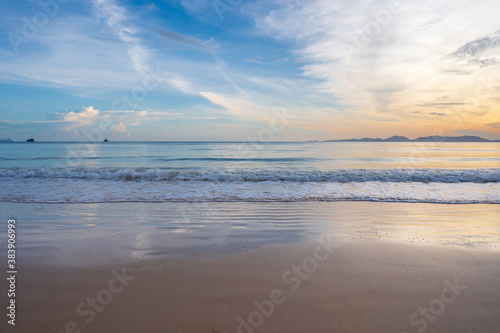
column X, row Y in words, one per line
column 105, row 52
column 67, row 54
column 183, row 41
column 378, row 59
column 118, row 20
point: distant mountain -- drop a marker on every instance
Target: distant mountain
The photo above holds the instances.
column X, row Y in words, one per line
column 357, row 140
column 466, row 138
column 6, row 140
column 397, row 138
column 433, row 138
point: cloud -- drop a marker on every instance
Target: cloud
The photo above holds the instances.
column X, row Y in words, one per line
column 370, row 56
column 477, row 54
column 76, row 50
column 184, row 40
column 205, row 10
column 237, row 106
column 121, row 129
column 118, row 20
column 149, row 7
column 86, row 115
column 232, row 125
column 479, row 46
column 439, row 104
column 76, row 125
column 119, row 121
column 103, row 53
column 494, row 125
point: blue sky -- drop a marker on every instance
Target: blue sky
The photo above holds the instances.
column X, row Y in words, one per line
column 234, row 70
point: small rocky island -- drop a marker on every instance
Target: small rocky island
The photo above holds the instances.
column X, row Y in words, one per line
column 30, row 140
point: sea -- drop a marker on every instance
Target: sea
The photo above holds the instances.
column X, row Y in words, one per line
column 425, row 172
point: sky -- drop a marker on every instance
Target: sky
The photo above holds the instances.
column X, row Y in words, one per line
column 238, row 70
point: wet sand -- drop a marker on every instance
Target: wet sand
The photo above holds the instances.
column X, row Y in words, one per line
column 239, row 267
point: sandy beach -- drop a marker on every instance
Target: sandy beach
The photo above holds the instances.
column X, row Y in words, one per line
column 273, row 267
column 376, row 287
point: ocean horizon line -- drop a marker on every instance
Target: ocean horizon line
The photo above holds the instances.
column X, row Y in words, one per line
column 394, row 138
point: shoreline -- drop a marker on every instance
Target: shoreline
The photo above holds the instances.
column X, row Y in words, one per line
column 121, row 232
column 245, row 201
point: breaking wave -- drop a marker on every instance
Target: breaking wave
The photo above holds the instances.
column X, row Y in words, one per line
column 334, row 176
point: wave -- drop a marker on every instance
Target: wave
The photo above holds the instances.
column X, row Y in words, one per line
column 314, row 199
column 335, row 176
column 236, row 159
column 164, row 159
column 44, row 190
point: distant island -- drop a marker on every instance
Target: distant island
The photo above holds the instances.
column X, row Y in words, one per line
column 433, row 138
column 6, row 140
column 30, row 140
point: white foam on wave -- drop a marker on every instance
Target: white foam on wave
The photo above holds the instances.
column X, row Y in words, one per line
column 339, row 176
column 103, row 191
